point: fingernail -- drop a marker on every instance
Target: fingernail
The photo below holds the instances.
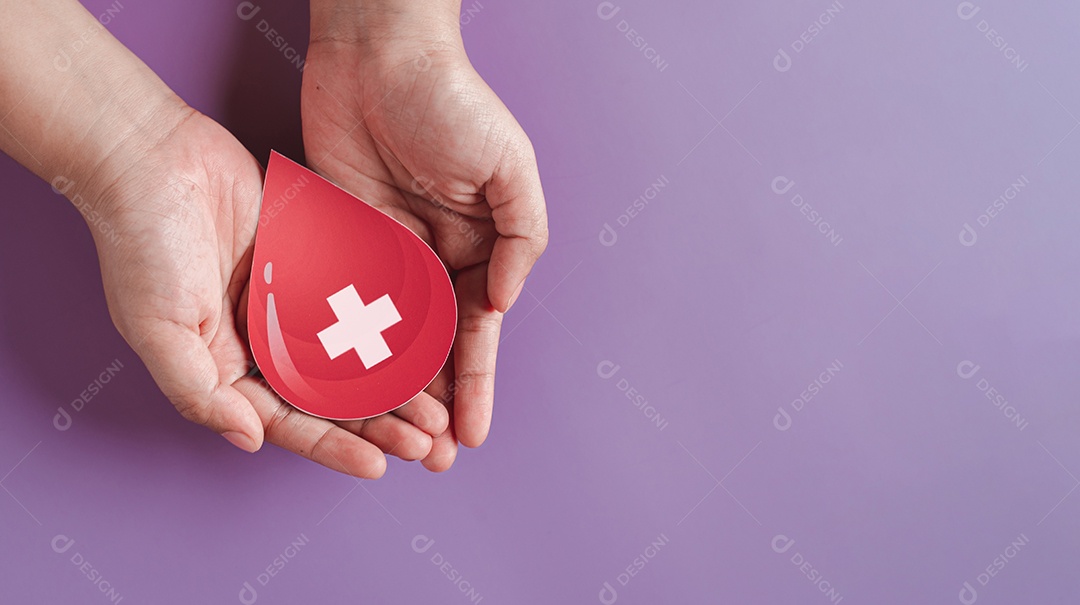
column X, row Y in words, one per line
column 515, row 295
column 240, row 440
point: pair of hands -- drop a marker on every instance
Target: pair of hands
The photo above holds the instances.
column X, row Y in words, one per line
column 407, row 125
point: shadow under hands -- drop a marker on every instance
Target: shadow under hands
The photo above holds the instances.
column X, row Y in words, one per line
column 262, row 94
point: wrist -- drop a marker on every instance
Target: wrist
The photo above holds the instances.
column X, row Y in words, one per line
column 384, row 27
column 120, row 142
column 82, row 109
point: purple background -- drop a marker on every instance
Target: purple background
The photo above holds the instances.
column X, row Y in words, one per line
column 720, row 301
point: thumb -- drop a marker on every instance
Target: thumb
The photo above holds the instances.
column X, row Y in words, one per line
column 517, row 207
column 186, row 372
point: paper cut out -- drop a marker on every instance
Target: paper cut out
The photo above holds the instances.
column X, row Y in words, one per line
column 350, row 314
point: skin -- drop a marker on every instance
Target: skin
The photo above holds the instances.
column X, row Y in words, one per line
column 172, row 200
column 405, row 121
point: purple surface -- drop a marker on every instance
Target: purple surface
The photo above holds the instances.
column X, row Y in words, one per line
column 720, row 301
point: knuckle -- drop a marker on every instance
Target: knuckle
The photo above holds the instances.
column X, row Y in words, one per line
column 526, row 151
column 469, row 376
column 480, row 324
column 422, row 420
column 193, row 409
column 540, row 242
column 321, row 446
column 280, row 417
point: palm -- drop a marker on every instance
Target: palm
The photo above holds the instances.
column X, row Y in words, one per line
column 417, row 143
column 421, row 137
column 175, row 281
column 186, row 225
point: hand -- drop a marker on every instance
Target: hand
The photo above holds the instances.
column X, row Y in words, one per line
column 173, row 201
column 175, row 270
column 405, row 123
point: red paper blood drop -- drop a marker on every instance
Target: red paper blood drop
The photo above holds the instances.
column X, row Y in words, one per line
column 350, row 314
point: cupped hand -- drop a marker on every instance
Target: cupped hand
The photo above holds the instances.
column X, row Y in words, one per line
column 407, row 124
column 175, row 271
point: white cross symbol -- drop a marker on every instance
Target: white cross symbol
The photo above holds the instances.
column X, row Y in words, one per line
column 359, row 326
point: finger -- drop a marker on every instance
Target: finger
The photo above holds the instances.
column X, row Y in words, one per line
column 316, row 439
column 444, row 450
column 444, row 447
column 517, row 206
column 392, row 435
column 462, row 240
column 425, row 413
column 183, row 367
column 474, row 357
